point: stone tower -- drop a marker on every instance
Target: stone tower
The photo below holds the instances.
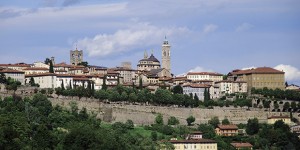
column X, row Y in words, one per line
column 166, row 55
column 76, row 56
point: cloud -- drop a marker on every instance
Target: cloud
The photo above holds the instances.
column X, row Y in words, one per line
column 137, row 36
column 209, row 28
column 200, row 69
column 244, row 27
column 291, row 73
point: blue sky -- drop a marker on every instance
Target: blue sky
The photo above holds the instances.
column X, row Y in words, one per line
column 205, row 35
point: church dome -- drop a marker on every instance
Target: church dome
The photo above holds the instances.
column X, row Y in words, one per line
column 151, row 58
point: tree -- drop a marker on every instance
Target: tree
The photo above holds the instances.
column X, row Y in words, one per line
column 214, row 121
column 84, row 63
column 225, row 77
column 190, row 120
column 51, row 70
column 286, row 105
column 153, row 135
column 140, row 83
column 225, row 121
column 177, row 89
column 3, row 78
column 252, row 126
column 62, row 85
column 293, row 105
column 31, row 82
column 173, row 121
column 276, row 105
column 47, row 61
column 104, row 86
column 159, row 119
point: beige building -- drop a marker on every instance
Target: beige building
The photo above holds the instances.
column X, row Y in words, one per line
column 212, row 76
column 35, row 70
column 227, row 130
column 199, row 144
column 17, row 66
column 259, row 77
column 286, row 119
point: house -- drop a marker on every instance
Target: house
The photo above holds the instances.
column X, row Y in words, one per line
column 198, row 144
column 286, row 119
column 241, row 146
column 226, row 130
column 35, row 70
column 228, row 87
column 196, row 135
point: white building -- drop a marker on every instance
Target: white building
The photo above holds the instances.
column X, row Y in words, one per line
column 35, row 70
column 197, row 89
column 212, row 76
column 14, row 74
column 40, row 65
column 229, row 87
column 45, row 80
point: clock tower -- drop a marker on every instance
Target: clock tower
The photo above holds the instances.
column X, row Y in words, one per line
column 166, row 55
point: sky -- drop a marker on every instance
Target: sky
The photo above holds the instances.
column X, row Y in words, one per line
column 205, row 35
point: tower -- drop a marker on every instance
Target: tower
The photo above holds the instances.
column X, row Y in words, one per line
column 166, row 55
column 76, row 56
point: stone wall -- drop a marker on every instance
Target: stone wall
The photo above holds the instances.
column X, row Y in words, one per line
column 143, row 114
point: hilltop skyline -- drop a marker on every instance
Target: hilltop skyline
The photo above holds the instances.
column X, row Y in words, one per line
column 204, row 35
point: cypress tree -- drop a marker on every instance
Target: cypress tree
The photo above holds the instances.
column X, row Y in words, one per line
column 104, row 87
column 140, row 83
column 51, row 67
column 62, row 85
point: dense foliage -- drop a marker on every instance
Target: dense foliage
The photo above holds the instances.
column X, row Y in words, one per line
column 277, row 93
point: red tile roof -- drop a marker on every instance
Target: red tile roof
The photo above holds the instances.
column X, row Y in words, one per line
column 205, row 73
column 40, row 74
column 193, row 141
column 228, row 127
column 11, row 71
column 15, row 65
column 279, row 117
column 241, row 145
column 35, row 68
column 259, row 70
column 197, row 85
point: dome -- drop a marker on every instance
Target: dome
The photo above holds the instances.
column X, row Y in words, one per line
column 151, row 58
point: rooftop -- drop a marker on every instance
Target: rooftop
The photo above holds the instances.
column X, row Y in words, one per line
column 241, row 145
column 259, row 70
column 227, row 127
column 205, row 73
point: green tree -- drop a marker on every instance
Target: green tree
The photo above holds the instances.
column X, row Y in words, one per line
column 252, row 126
column 276, row 105
column 153, row 135
column 159, row 119
column 3, row 78
column 190, row 120
column 286, row 105
column 140, row 83
column 62, row 85
column 178, row 89
column 214, row 121
column 173, row 121
column 51, row 70
column 293, row 105
column 84, row 63
column 104, row 86
column 225, row 121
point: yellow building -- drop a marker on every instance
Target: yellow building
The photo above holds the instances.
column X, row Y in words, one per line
column 286, row 119
column 199, row 144
column 227, row 130
column 259, row 77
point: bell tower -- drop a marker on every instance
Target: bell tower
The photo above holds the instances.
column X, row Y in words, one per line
column 166, row 55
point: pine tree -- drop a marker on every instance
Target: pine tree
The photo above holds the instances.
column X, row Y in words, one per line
column 51, row 67
column 70, row 85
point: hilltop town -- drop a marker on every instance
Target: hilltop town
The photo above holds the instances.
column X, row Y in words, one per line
column 149, row 92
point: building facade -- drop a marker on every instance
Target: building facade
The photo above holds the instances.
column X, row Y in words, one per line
column 195, row 89
column 199, row 144
column 227, row 130
column 259, row 77
column 212, row 76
